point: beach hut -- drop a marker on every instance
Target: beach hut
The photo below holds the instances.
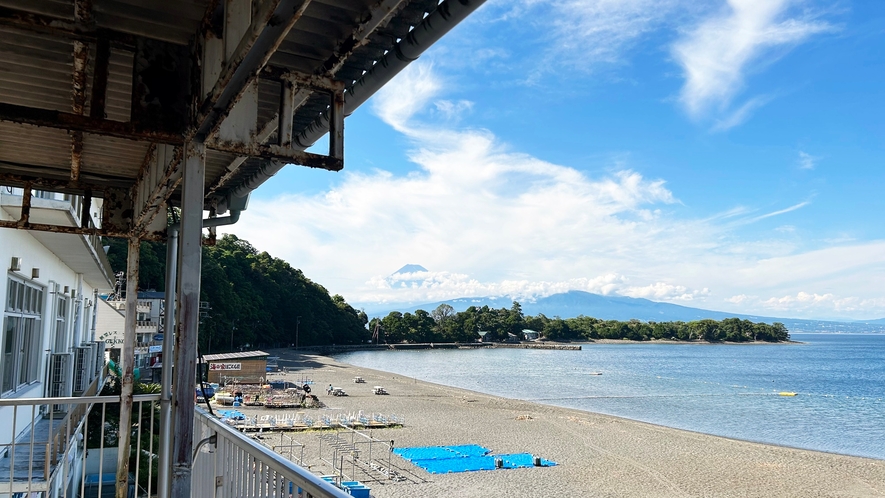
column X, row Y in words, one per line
column 249, row 367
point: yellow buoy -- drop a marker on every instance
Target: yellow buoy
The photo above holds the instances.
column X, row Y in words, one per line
column 786, row 393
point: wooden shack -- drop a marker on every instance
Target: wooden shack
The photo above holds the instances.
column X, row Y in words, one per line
column 244, row 367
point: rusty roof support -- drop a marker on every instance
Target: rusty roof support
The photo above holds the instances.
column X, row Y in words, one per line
column 158, row 180
column 63, row 186
column 85, row 217
column 87, row 124
column 83, row 17
column 268, row 29
column 74, row 30
column 100, row 78
column 42, row 227
column 277, row 153
column 336, row 126
column 379, row 16
column 26, row 207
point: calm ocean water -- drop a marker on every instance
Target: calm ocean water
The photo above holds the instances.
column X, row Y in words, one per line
column 726, row 390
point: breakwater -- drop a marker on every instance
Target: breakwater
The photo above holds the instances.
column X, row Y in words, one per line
column 336, row 349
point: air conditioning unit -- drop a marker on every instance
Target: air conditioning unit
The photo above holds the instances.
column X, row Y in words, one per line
column 98, row 362
column 60, row 373
column 84, row 369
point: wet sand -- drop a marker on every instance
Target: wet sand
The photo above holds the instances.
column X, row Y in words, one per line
column 596, row 455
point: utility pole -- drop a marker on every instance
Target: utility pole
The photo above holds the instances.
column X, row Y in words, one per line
column 232, row 329
column 297, row 324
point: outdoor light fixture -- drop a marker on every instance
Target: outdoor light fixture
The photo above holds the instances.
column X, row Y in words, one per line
column 35, row 273
column 67, row 289
column 16, row 264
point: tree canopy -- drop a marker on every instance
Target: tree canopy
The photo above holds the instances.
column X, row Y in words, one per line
column 255, row 299
column 445, row 325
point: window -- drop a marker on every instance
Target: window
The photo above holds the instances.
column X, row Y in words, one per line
column 21, row 335
column 61, row 313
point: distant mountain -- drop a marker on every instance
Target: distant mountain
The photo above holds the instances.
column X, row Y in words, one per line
column 410, row 269
column 573, row 303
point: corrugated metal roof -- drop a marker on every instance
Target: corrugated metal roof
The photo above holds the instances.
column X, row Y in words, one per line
column 235, row 356
column 40, row 40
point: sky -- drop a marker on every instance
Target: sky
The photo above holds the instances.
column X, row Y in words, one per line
column 724, row 155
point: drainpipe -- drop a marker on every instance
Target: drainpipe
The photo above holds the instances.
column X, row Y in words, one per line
column 164, row 472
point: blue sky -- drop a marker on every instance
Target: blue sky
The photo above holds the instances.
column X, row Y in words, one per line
column 722, row 154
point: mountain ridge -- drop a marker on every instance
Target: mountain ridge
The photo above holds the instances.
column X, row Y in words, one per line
column 573, row 303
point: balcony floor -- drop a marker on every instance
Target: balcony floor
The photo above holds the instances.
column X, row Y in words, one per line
column 28, row 467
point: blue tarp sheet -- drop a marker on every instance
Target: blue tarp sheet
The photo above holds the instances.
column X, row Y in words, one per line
column 464, row 458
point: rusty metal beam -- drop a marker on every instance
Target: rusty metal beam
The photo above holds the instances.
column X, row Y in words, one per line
column 65, row 186
column 74, row 30
column 100, row 78
column 83, row 17
column 277, row 153
column 42, row 227
column 85, row 217
column 379, row 15
column 336, row 126
column 158, row 191
column 263, row 134
column 23, row 220
column 315, row 81
column 268, row 29
column 87, row 124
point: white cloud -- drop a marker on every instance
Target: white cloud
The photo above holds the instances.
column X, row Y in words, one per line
column 779, row 212
column 593, row 31
column 450, row 109
column 814, row 304
column 807, row 161
column 717, row 54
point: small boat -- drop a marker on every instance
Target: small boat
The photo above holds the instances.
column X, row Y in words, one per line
column 595, row 373
column 786, row 393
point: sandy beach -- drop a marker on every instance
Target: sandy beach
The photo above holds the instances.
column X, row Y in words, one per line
column 596, row 455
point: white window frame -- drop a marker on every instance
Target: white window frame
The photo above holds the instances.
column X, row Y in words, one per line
column 20, row 337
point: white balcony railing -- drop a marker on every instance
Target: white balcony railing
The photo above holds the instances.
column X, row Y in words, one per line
column 75, row 454
column 229, row 464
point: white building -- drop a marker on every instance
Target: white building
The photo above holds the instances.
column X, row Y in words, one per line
column 110, row 324
column 47, row 344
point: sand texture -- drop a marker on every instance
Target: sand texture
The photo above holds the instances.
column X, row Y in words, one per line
column 596, row 455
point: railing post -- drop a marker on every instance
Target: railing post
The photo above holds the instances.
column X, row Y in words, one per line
column 189, row 311
column 166, row 427
column 127, row 367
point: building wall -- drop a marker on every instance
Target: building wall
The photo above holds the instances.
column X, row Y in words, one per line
column 76, row 326
column 252, row 371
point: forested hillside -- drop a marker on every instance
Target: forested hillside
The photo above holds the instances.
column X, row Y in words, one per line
column 255, row 299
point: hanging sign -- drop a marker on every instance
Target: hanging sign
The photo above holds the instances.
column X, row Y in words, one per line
column 224, row 366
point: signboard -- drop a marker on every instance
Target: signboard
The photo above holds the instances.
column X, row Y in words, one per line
column 158, row 337
column 155, row 349
column 224, row 366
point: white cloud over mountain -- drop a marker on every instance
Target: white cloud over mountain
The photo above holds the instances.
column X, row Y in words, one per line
column 494, row 221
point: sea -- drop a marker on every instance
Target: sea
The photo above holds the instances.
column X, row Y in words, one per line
column 721, row 389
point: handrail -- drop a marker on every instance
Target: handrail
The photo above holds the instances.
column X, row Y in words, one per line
column 75, row 400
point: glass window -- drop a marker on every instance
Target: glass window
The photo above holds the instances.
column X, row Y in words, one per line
column 21, row 336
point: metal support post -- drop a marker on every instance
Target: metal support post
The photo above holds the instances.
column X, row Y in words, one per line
column 188, row 318
column 127, row 367
column 166, row 428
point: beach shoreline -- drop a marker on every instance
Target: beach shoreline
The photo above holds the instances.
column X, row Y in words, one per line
column 596, row 455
